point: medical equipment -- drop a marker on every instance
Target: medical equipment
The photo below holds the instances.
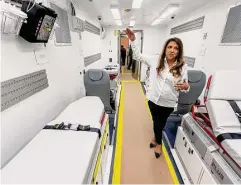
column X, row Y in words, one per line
column 40, row 22
column 210, row 135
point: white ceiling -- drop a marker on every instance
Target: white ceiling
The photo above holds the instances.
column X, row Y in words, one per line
column 144, row 16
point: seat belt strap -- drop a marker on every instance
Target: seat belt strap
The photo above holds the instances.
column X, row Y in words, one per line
column 236, row 109
column 74, row 127
column 224, row 136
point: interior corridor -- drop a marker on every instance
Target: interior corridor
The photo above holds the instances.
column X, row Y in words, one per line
column 138, row 162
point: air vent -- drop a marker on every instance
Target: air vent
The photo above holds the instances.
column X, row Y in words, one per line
column 91, row 59
column 188, row 26
column 91, row 28
column 190, row 61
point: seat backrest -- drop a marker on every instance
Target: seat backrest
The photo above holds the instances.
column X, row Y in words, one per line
column 97, row 83
column 197, row 81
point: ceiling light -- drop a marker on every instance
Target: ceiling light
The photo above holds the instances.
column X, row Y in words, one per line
column 156, row 21
column 136, row 3
column 118, row 22
column 169, row 10
column 132, row 22
column 115, row 11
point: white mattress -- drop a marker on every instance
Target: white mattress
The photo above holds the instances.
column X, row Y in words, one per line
column 232, row 146
column 222, row 117
column 232, row 88
column 224, row 120
column 85, row 111
column 56, row 156
column 53, row 157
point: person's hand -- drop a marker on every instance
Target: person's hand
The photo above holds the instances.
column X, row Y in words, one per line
column 182, row 86
column 130, row 34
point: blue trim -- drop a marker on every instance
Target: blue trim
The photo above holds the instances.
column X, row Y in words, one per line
column 173, row 161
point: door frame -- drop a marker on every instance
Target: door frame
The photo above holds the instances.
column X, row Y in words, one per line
column 141, row 48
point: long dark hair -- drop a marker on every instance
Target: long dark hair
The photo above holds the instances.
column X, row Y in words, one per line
column 175, row 70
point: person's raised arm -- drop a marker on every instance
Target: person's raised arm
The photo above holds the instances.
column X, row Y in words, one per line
column 135, row 49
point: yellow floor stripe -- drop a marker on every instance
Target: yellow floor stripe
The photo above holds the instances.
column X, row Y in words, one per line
column 129, row 81
column 118, row 150
column 126, row 73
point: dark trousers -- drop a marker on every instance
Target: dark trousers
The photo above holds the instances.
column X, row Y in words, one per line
column 123, row 59
column 130, row 62
column 159, row 117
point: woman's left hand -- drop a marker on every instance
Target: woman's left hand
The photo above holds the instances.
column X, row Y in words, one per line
column 182, row 86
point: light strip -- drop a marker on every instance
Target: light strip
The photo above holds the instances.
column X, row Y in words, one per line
column 156, row 21
column 170, row 9
column 118, row 22
column 136, row 3
column 116, row 13
column 132, row 22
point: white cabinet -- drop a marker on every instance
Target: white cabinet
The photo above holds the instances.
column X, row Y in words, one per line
column 206, row 178
column 192, row 162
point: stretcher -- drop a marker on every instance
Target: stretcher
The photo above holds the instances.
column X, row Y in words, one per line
column 210, row 135
column 56, row 156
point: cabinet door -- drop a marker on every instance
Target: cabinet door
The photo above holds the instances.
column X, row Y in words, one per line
column 189, row 156
column 207, row 178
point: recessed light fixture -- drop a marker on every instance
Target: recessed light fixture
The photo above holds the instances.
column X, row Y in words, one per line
column 170, row 9
column 136, row 4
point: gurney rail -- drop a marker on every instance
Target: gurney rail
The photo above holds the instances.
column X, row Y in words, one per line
column 204, row 116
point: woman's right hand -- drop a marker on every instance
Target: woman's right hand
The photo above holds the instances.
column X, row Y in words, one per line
column 130, row 34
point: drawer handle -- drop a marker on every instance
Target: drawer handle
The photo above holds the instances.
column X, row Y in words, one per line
column 192, row 133
column 190, row 151
column 183, row 138
column 185, row 144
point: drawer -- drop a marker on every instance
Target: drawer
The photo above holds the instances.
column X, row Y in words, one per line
column 206, row 178
column 189, row 156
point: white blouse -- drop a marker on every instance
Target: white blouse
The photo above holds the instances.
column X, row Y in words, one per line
column 161, row 90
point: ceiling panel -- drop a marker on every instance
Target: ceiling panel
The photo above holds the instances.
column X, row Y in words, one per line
column 144, row 16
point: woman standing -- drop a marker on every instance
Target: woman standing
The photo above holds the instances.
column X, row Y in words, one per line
column 167, row 80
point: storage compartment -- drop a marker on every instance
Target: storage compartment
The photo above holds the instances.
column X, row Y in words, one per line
column 206, row 178
column 188, row 156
